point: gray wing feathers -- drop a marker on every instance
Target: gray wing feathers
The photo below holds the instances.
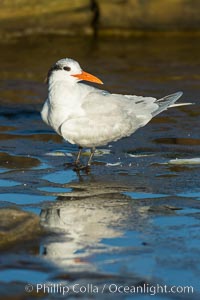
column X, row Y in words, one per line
column 109, row 117
column 166, row 102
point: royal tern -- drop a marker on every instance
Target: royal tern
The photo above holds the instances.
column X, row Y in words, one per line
column 90, row 117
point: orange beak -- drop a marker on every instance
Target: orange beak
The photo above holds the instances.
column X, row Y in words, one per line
column 88, row 77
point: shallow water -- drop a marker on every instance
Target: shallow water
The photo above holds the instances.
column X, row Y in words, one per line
column 134, row 219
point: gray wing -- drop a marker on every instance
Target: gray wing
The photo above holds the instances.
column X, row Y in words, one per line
column 137, row 106
column 109, row 117
column 166, row 102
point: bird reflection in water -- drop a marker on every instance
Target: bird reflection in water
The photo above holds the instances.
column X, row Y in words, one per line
column 86, row 220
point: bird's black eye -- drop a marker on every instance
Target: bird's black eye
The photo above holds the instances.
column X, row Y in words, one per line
column 67, row 68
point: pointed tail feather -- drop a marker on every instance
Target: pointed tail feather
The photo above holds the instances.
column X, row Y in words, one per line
column 168, row 101
column 181, row 104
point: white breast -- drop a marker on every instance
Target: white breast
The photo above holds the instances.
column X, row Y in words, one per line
column 64, row 101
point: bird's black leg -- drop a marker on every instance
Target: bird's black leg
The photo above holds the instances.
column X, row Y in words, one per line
column 86, row 168
column 77, row 161
column 91, row 156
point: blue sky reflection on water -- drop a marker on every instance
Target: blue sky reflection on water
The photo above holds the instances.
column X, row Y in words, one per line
column 24, row 199
column 61, row 177
column 23, row 275
column 8, row 183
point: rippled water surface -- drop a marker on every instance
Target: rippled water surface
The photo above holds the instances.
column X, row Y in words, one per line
column 134, row 219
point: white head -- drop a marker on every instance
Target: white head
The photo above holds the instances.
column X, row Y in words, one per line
column 69, row 70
